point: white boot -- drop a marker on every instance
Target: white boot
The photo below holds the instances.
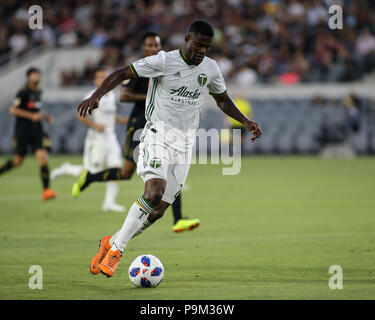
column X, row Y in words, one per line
column 113, row 207
column 66, row 169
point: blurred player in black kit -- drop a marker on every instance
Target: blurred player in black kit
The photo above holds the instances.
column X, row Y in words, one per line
column 29, row 134
column 135, row 90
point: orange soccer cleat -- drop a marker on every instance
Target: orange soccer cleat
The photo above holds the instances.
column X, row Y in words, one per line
column 110, row 262
column 104, row 246
column 48, row 194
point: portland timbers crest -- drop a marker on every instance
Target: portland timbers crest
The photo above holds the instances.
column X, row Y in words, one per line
column 155, row 163
column 202, row 79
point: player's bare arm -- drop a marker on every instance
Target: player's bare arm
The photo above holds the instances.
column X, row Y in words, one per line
column 91, row 124
column 109, row 83
column 128, row 95
column 34, row 116
column 15, row 111
column 122, row 120
column 226, row 104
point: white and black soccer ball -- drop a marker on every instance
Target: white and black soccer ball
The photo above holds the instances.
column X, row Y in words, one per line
column 146, row 271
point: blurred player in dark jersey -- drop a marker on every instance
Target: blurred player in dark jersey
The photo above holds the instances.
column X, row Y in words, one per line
column 135, row 91
column 29, row 135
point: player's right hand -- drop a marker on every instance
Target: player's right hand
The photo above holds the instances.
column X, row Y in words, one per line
column 254, row 129
column 87, row 106
column 48, row 118
column 37, row 116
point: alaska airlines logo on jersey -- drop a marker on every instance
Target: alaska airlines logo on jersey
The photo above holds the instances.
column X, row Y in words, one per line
column 184, row 92
column 202, row 79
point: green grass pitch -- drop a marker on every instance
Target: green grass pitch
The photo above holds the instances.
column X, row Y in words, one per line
column 271, row 232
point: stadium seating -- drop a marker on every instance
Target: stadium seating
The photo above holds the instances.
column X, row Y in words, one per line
column 289, row 126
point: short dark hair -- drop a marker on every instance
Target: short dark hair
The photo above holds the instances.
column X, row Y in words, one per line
column 201, row 27
column 149, row 34
column 32, row 70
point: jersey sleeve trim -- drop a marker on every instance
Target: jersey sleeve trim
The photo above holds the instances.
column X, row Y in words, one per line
column 16, row 102
column 187, row 61
column 133, row 70
column 218, row 94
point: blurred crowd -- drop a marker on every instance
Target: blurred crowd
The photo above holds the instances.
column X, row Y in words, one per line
column 260, row 41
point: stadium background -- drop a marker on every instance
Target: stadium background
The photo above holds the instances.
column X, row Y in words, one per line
column 311, row 90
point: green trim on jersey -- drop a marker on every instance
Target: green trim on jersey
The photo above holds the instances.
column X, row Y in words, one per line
column 218, row 94
column 133, row 70
column 151, row 105
column 187, row 61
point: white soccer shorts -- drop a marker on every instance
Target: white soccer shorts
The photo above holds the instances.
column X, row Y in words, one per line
column 158, row 160
column 100, row 151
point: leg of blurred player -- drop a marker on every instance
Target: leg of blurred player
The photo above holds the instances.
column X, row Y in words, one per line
column 112, row 186
column 111, row 174
column 66, row 169
column 101, row 145
column 112, row 159
column 182, row 224
column 97, row 153
column 42, row 157
column 111, row 192
column 16, row 162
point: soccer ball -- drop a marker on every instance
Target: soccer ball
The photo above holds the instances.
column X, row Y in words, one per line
column 146, row 271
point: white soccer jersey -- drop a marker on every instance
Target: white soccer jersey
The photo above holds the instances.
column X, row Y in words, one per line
column 102, row 148
column 104, row 115
column 177, row 91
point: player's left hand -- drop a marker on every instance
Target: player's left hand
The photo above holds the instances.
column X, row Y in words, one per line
column 253, row 128
column 124, row 120
column 48, row 118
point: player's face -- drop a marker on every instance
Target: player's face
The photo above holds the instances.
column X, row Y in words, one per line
column 99, row 78
column 151, row 46
column 197, row 47
column 34, row 78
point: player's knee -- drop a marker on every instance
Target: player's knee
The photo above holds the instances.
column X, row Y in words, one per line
column 42, row 157
column 154, row 196
column 43, row 162
column 154, row 190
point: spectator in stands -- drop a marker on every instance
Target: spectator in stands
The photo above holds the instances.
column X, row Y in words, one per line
column 365, row 44
column 99, row 37
column 69, row 38
column 269, row 33
column 352, row 105
column 4, row 47
column 45, row 37
column 18, row 42
column 245, row 76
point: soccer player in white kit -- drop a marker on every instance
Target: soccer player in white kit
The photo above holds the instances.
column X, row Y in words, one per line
column 101, row 145
column 178, row 81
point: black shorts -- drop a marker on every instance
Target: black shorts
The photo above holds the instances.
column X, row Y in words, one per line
column 131, row 144
column 22, row 143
